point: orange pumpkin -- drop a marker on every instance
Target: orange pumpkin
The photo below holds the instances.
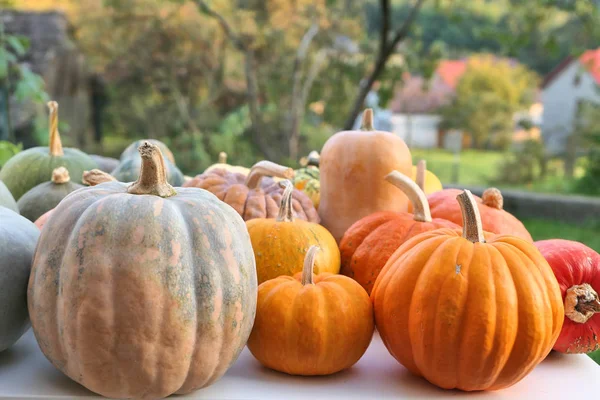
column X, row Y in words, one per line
column 252, row 196
column 280, row 244
column 369, row 243
column 352, row 166
column 311, row 324
column 465, row 313
column 494, row 218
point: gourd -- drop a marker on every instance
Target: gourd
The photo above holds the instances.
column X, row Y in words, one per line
column 222, row 164
column 369, row 242
column 427, row 180
column 18, row 238
column 255, row 195
column 106, row 164
column 33, row 166
column 157, row 286
column 6, row 198
column 465, row 313
column 577, row 269
column 311, row 324
column 353, row 165
column 307, row 178
column 494, row 218
column 45, row 196
column 129, row 168
column 280, row 244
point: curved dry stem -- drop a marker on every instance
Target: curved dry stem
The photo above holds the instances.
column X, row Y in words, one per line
column 153, row 175
column 492, row 197
column 416, row 196
column 367, row 120
column 472, row 228
column 60, row 175
column 55, row 145
column 96, row 177
column 267, row 168
column 421, row 169
column 309, row 264
column 286, row 211
column 581, row 303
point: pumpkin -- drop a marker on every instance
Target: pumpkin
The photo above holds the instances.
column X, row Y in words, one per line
column 6, row 198
column 255, row 196
column 33, row 166
column 280, row 244
column 46, row 196
column 495, row 219
column 353, row 165
column 465, row 313
column 222, row 164
column 427, row 180
column 106, row 164
column 307, row 178
column 157, row 286
column 311, row 324
column 129, row 169
column 131, row 151
column 577, row 269
column 18, row 238
column 369, row 242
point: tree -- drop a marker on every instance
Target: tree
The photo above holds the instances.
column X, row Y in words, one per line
column 487, row 96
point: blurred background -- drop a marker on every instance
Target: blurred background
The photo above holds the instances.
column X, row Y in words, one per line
column 489, row 92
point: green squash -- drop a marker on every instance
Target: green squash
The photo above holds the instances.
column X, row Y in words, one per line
column 6, row 198
column 18, row 238
column 129, row 170
column 33, row 166
column 132, row 150
column 105, row 164
column 307, row 180
column 45, row 196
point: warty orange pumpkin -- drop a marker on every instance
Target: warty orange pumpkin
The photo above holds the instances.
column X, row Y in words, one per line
column 369, row 242
column 311, row 324
column 465, row 313
column 280, row 244
column 142, row 290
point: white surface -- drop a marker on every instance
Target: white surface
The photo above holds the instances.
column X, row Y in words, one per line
column 25, row 373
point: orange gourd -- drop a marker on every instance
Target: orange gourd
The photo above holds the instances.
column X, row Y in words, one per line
column 465, row 313
column 494, row 218
column 369, row 243
column 311, row 324
column 352, row 166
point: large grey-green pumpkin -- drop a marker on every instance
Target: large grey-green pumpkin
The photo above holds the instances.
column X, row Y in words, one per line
column 132, row 150
column 18, row 238
column 157, row 286
column 33, row 166
column 45, row 196
column 6, row 198
column 106, row 164
column 129, row 170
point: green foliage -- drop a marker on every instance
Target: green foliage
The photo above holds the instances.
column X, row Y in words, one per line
column 543, row 229
column 7, row 150
column 526, row 164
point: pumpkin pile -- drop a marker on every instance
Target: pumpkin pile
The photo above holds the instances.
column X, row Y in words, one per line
column 140, row 284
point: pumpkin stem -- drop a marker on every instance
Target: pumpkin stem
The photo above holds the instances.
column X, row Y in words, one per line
column 153, row 175
column 286, row 212
column 492, row 197
column 472, row 229
column 416, row 196
column 267, row 168
column 60, row 175
column 96, row 177
column 55, row 144
column 367, row 120
column 581, row 303
column 309, row 264
column 222, row 158
column 421, row 169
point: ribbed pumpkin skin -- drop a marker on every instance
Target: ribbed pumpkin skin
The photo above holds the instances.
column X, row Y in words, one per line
column 44, row 197
column 140, row 296
column 18, row 238
column 6, row 198
column 443, row 205
column 41, row 221
column 370, row 242
column 132, row 150
column 471, row 316
column 317, row 329
column 34, row 166
column 129, row 170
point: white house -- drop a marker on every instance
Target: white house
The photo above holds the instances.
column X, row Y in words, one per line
column 573, row 81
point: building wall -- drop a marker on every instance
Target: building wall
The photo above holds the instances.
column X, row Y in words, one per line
column 560, row 100
column 417, row 130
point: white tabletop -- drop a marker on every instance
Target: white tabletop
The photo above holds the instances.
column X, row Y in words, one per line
column 25, row 373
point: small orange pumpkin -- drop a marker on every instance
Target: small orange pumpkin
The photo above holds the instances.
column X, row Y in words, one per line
column 464, row 313
column 280, row 244
column 369, row 243
column 311, row 324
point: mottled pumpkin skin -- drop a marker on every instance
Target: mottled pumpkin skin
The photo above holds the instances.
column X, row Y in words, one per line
column 316, row 329
column 471, row 316
column 307, row 180
column 261, row 202
column 443, row 205
column 369, row 243
column 140, row 296
column 129, row 170
column 280, row 247
column 44, row 197
column 6, row 198
column 106, row 164
column 132, row 150
column 34, row 166
column 41, row 221
column 18, row 238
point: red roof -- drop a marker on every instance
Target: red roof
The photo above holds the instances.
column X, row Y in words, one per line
column 590, row 60
column 450, row 71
